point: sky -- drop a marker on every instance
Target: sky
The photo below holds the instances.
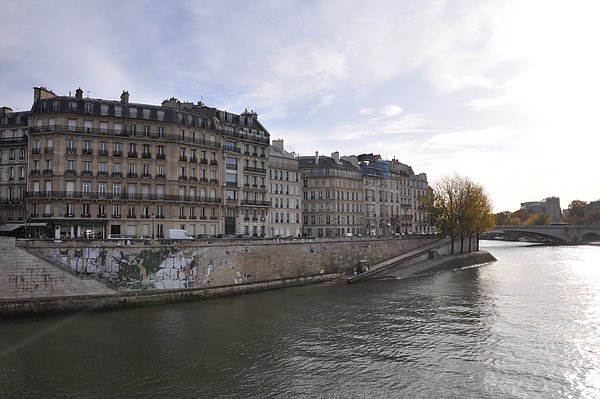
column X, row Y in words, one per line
column 502, row 92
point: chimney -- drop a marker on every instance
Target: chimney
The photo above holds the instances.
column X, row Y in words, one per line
column 317, row 157
column 336, row 157
column 278, row 144
column 79, row 94
column 41, row 93
column 125, row 97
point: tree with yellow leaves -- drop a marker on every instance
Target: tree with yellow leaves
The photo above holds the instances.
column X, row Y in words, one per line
column 459, row 208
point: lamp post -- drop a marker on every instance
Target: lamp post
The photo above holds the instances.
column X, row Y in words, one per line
column 153, row 215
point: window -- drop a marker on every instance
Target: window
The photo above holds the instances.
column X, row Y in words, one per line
column 104, row 109
column 72, row 125
column 116, row 190
column 230, row 163
column 231, row 178
column 132, row 112
column 89, row 108
column 103, row 127
column 102, row 190
column 160, row 115
column 118, row 128
column 86, row 188
column 146, row 113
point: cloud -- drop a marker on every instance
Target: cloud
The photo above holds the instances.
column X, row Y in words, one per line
column 391, row 110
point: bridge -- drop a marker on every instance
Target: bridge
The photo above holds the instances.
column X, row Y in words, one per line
column 561, row 233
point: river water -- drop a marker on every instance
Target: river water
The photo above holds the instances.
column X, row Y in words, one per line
column 527, row 326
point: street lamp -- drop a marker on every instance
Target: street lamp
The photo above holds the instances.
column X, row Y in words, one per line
column 153, row 215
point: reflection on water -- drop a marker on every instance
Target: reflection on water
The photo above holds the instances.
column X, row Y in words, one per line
column 526, row 326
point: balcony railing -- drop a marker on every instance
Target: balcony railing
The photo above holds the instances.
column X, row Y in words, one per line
column 256, row 202
column 254, row 169
column 123, row 133
column 122, row 196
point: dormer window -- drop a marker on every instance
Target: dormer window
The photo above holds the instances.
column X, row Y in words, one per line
column 118, row 111
column 146, row 113
column 89, row 108
column 55, row 106
column 72, row 106
column 180, row 117
column 104, row 109
column 160, row 115
column 132, row 112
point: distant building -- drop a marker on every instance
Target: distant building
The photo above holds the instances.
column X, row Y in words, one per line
column 550, row 206
column 593, row 208
column 332, row 196
column 285, row 192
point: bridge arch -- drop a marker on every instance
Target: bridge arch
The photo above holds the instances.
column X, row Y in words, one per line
column 590, row 237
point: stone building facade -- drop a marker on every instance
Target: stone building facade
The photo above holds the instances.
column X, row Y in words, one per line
column 80, row 167
column 100, row 167
column 285, row 191
column 333, row 200
column 13, row 165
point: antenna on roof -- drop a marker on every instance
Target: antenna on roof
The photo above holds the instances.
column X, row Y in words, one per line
column 88, row 94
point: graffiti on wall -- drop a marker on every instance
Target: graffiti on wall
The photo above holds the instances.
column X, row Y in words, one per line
column 166, row 268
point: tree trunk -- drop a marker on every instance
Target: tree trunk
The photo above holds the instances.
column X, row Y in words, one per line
column 477, row 242
column 462, row 243
column 451, row 245
column 470, row 238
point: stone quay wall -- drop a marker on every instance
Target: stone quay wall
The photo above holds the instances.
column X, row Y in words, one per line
column 121, row 267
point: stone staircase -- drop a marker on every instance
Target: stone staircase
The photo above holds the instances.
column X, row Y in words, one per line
column 25, row 276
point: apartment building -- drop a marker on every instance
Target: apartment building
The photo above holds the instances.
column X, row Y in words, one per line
column 420, row 188
column 100, row 167
column 392, row 196
column 13, row 164
column 285, row 192
column 333, row 201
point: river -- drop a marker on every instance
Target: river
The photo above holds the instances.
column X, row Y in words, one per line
column 526, row 326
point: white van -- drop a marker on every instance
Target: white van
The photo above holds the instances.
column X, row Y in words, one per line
column 178, row 234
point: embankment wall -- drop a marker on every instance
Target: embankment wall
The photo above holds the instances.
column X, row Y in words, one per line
column 80, row 268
